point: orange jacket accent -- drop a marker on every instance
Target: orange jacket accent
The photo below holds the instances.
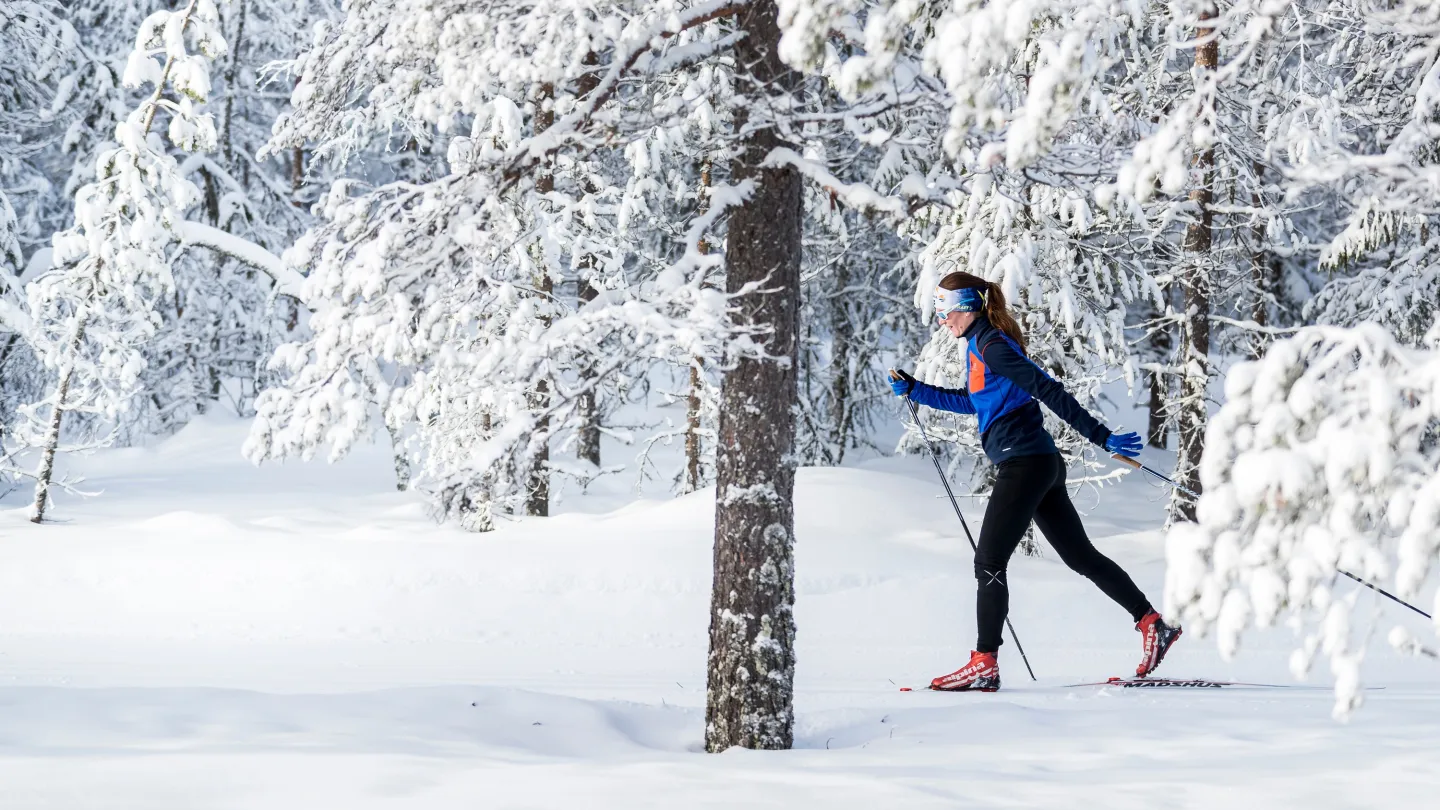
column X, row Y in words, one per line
column 977, row 373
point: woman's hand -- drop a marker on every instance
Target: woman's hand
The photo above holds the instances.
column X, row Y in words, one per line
column 901, row 383
column 1126, row 444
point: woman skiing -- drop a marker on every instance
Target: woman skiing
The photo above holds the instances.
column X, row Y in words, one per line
column 1002, row 388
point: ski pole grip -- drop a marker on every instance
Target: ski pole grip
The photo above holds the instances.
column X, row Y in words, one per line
column 894, row 375
column 1128, row 462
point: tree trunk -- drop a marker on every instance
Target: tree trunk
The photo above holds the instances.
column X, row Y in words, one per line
column 842, row 336
column 588, row 441
column 1157, row 434
column 1262, row 271
column 694, row 403
column 477, row 498
column 52, row 436
column 401, row 459
column 1195, row 354
column 1163, row 344
column 694, row 451
column 537, row 499
column 587, row 445
column 236, row 43
column 297, row 173
column 750, row 698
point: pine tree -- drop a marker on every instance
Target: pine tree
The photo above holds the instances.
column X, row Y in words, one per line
column 1324, row 458
column 97, row 309
column 1197, row 285
column 534, row 210
column 752, row 627
column 38, row 51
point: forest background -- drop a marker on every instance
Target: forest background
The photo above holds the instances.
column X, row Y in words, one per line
column 475, row 230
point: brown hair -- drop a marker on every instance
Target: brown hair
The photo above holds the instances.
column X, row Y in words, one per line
column 995, row 309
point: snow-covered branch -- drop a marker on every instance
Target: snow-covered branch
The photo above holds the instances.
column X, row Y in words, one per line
column 287, row 280
column 627, row 52
column 1324, row 457
column 858, row 195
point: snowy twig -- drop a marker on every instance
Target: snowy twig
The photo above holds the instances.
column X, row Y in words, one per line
column 288, row 282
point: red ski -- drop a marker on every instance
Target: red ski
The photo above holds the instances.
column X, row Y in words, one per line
column 1155, row 683
column 1170, row 683
column 1190, row 683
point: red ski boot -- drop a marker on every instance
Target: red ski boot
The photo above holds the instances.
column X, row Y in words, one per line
column 1157, row 636
column 982, row 674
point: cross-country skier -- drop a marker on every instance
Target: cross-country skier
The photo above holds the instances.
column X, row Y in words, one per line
column 1002, row 388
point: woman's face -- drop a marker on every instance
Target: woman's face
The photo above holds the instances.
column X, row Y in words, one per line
column 958, row 322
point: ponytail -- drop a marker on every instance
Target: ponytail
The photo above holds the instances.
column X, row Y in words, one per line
column 995, row 309
column 1000, row 316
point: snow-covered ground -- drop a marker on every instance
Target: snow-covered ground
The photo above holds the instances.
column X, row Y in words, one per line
column 207, row 634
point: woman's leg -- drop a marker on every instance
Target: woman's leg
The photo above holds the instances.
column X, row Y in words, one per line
column 1020, row 484
column 1060, row 523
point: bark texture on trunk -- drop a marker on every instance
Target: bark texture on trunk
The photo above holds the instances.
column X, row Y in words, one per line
column 1195, row 354
column 587, row 442
column 752, row 630
column 236, row 41
column 1157, row 434
column 1163, row 345
column 694, row 402
column 1264, row 271
column 46, row 471
column 694, row 450
column 537, row 498
column 842, row 340
column 400, row 457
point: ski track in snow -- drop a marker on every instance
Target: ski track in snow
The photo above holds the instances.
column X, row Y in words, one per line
column 206, row 634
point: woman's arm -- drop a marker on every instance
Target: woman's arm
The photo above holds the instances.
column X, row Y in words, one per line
column 1004, row 359
column 942, row 399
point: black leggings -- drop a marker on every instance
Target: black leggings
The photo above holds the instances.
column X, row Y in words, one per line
column 1034, row 487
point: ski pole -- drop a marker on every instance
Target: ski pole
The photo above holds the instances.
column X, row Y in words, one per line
column 1130, row 462
column 935, row 457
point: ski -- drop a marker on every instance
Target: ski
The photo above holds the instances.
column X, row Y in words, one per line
column 1163, row 683
column 1172, row 683
column 1191, row 683
column 945, row 691
column 1152, row 683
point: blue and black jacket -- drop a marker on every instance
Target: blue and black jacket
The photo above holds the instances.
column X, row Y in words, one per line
column 1002, row 388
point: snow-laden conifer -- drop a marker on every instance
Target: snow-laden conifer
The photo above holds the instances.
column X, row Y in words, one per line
column 471, row 282
column 96, row 310
column 1325, row 457
column 998, row 135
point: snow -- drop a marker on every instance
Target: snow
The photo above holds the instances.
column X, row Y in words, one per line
column 288, row 281
column 205, row 633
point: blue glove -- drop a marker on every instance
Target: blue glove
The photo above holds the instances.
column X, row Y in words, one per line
column 1125, row 444
column 901, row 383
